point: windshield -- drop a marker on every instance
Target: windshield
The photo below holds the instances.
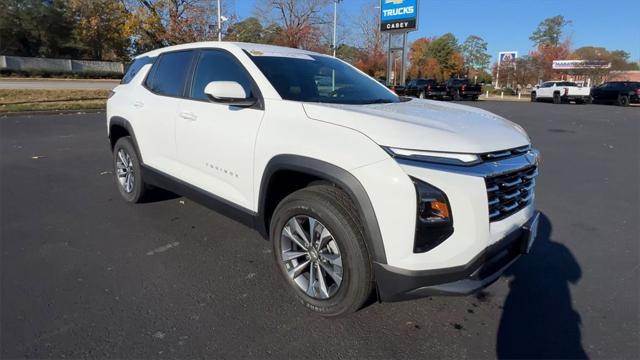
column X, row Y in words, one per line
column 316, row 78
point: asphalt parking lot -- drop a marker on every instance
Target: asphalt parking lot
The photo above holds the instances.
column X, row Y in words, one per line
column 85, row 275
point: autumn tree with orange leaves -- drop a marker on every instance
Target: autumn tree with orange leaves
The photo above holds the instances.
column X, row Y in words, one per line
column 158, row 23
column 436, row 58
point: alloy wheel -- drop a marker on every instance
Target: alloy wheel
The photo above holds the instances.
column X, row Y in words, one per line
column 311, row 257
column 124, row 171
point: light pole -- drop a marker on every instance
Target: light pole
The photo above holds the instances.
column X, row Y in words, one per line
column 219, row 23
column 335, row 21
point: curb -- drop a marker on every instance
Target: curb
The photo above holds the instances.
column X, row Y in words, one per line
column 51, row 112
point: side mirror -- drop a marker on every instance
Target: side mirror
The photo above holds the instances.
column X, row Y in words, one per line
column 228, row 92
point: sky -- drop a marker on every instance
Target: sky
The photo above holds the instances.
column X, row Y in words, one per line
column 507, row 24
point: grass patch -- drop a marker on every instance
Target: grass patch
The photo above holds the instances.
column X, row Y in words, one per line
column 30, row 100
column 40, row 73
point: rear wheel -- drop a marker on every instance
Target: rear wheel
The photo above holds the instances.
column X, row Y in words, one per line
column 319, row 248
column 474, row 98
column 127, row 172
column 623, row 100
column 556, row 98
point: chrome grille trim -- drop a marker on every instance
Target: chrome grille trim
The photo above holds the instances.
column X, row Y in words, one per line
column 515, row 191
column 503, row 154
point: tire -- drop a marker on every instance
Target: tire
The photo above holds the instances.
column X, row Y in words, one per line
column 556, row 98
column 127, row 163
column 456, row 96
column 588, row 100
column 533, row 97
column 348, row 286
column 623, row 100
column 474, row 98
column 421, row 95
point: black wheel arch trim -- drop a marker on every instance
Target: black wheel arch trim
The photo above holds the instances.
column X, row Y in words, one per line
column 343, row 179
column 122, row 122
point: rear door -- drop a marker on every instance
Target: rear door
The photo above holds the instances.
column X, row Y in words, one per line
column 216, row 141
column 156, row 109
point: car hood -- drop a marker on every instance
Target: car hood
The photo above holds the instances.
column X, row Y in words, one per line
column 424, row 125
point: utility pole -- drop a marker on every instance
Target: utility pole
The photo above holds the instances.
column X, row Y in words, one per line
column 335, row 23
column 219, row 23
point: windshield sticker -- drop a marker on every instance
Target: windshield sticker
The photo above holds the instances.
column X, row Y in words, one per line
column 281, row 54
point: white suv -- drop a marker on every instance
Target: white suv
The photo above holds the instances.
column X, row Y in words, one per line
column 359, row 190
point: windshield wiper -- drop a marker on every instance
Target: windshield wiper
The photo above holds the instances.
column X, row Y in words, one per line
column 379, row 101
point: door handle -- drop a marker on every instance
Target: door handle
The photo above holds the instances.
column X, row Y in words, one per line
column 188, row 115
column 138, row 104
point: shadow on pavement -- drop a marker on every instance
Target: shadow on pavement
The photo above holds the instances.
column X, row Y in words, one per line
column 538, row 320
column 156, row 194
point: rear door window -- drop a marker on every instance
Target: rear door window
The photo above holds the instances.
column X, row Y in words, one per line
column 169, row 73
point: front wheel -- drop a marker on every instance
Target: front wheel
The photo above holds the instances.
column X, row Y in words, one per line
column 319, row 248
column 533, row 97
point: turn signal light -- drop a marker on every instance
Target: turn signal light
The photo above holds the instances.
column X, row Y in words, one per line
column 434, row 223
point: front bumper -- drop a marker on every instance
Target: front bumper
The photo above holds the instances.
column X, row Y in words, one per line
column 575, row 97
column 395, row 284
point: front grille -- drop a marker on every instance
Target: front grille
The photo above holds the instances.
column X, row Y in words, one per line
column 510, row 192
column 499, row 155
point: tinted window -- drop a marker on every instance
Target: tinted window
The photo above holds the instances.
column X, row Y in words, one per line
column 169, row 73
column 422, row 82
column 134, row 68
column 295, row 77
column 567, row 83
column 219, row 66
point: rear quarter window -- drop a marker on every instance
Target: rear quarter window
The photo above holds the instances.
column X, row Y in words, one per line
column 134, row 68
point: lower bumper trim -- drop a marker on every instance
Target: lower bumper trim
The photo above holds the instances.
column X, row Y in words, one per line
column 395, row 284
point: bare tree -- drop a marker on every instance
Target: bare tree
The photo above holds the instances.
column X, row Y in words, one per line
column 300, row 20
column 371, row 40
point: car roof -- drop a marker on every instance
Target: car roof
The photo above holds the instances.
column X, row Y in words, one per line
column 250, row 47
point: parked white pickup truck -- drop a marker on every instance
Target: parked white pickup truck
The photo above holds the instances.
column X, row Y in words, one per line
column 561, row 92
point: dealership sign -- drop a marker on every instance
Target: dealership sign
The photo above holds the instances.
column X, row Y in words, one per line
column 580, row 64
column 507, row 57
column 399, row 15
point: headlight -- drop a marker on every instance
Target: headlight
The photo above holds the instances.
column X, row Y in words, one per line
column 434, row 156
column 434, row 222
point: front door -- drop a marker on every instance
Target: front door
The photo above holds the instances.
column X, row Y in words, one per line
column 216, row 141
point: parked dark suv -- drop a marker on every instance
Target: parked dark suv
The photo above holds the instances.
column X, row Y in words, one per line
column 619, row 92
